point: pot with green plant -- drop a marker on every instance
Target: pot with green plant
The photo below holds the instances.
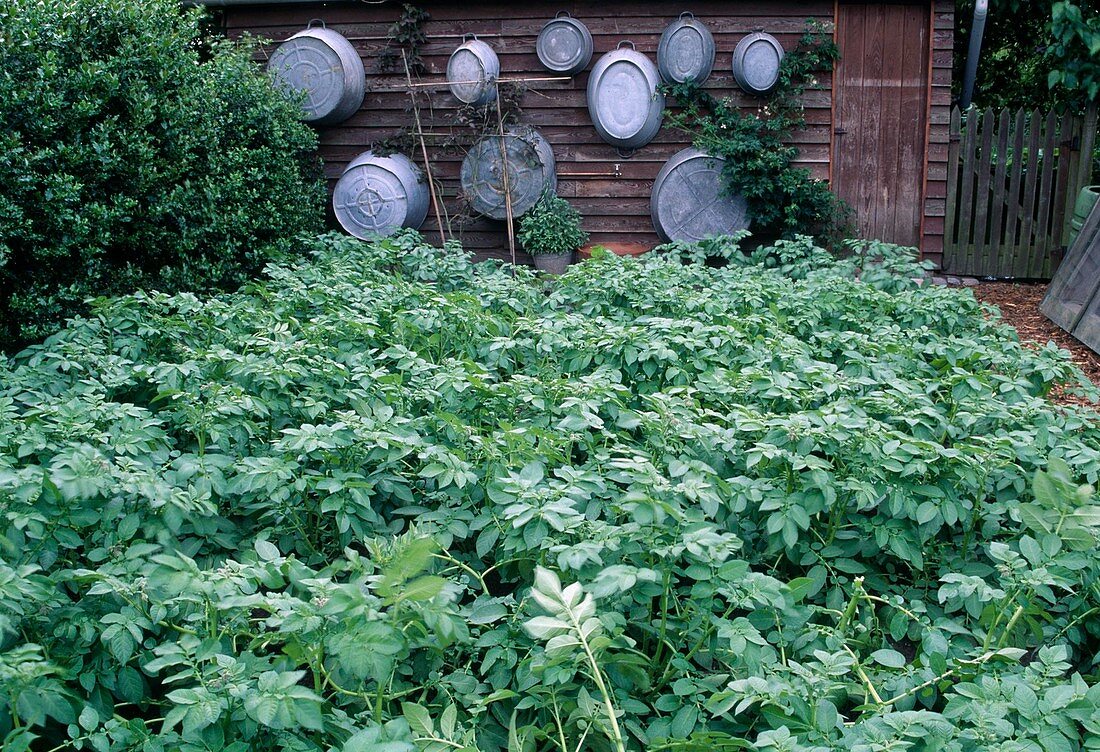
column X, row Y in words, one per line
column 551, row 231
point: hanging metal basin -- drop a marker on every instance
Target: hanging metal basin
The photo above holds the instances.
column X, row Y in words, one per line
column 756, row 61
column 623, row 101
column 565, row 45
column 377, row 196
column 472, row 72
column 526, row 160
column 322, row 65
column 689, row 202
column 686, row 51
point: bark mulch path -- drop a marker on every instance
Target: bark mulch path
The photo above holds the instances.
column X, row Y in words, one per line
column 1019, row 304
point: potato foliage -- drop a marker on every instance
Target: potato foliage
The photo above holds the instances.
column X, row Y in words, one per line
column 392, row 500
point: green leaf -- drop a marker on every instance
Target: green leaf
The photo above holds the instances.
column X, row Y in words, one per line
column 422, row 589
column 889, row 658
column 267, row 551
column 420, row 720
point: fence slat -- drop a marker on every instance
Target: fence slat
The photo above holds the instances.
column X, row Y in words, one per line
column 1065, row 166
column 952, row 179
column 981, row 198
column 997, row 230
column 1015, row 193
column 966, row 196
column 1027, row 208
column 1039, row 258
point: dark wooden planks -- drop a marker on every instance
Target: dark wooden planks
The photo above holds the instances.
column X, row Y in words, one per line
column 1014, row 177
column 558, row 109
column 881, row 85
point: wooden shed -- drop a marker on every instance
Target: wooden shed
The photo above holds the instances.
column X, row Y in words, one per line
column 877, row 127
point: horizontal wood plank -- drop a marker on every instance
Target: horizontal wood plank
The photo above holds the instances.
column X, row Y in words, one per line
column 611, row 190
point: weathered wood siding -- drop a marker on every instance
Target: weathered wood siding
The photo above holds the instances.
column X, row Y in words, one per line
column 614, row 208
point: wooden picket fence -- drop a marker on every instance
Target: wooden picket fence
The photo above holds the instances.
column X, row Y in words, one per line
column 1012, row 182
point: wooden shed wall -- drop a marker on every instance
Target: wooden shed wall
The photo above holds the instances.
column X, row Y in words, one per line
column 614, row 208
column 935, row 194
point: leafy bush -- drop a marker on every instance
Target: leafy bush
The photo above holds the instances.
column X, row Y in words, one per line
column 393, row 501
column 136, row 154
column 551, row 227
column 756, row 145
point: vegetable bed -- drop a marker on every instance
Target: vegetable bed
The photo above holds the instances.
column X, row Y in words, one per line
column 389, row 500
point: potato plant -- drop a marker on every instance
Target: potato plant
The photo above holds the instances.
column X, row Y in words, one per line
column 390, row 500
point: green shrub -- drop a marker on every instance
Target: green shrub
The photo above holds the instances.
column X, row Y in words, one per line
column 392, row 501
column 134, row 153
column 551, row 227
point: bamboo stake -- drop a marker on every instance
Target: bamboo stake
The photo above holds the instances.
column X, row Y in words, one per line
column 520, row 80
column 424, row 152
column 507, row 184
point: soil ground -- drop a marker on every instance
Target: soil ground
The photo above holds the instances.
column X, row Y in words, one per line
column 1019, row 304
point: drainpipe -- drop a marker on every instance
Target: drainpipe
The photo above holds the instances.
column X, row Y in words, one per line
column 977, row 30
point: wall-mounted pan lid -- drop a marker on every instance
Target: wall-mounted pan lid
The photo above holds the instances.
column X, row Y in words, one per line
column 472, row 72
column 686, row 51
column 756, row 61
column 322, row 65
column 688, row 201
column 623, row 100
column 530, row 170
column 377, row 196
column 565, row 45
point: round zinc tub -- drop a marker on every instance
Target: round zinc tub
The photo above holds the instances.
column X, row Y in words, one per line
column 564, row 45
column 623, row 100
column 688, row 201
column 322, row 65
column 756, row 61
column 528, row 161
column 377, row 196
column 472, row 72
column 686, row 51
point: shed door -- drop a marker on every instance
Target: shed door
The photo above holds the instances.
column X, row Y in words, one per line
column 881, row 90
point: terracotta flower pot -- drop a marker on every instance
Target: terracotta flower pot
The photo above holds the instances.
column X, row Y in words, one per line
column 619, row 249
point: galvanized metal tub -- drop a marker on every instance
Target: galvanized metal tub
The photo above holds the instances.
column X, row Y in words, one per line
column 322, row 65
column 686, row 51
column 472, row 72
column 756, row 61
column 564, row 45
column 623, row 101
column 689, row 202
column 377, row 196
column 527, row 160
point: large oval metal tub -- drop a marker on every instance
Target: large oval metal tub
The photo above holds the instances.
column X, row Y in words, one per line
column 472, row 72
column 756, row 61
column 688, row 202
column 686, row 51
column 623, row 101
column 564, row 45
column 528, row 162
column 322, row 65
column 377, row 196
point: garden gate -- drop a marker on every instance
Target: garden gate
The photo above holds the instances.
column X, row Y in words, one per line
column 1012, row 182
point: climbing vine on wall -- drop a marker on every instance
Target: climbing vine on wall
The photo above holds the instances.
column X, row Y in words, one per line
column 406, row 35
column 755, row 143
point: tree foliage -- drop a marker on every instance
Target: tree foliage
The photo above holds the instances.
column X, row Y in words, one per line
column 135, row 153
column 1034, row 54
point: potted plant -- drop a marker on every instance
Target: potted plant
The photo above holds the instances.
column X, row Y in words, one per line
column 550, row 231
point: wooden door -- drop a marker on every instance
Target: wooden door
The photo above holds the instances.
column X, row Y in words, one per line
column 880, row 119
